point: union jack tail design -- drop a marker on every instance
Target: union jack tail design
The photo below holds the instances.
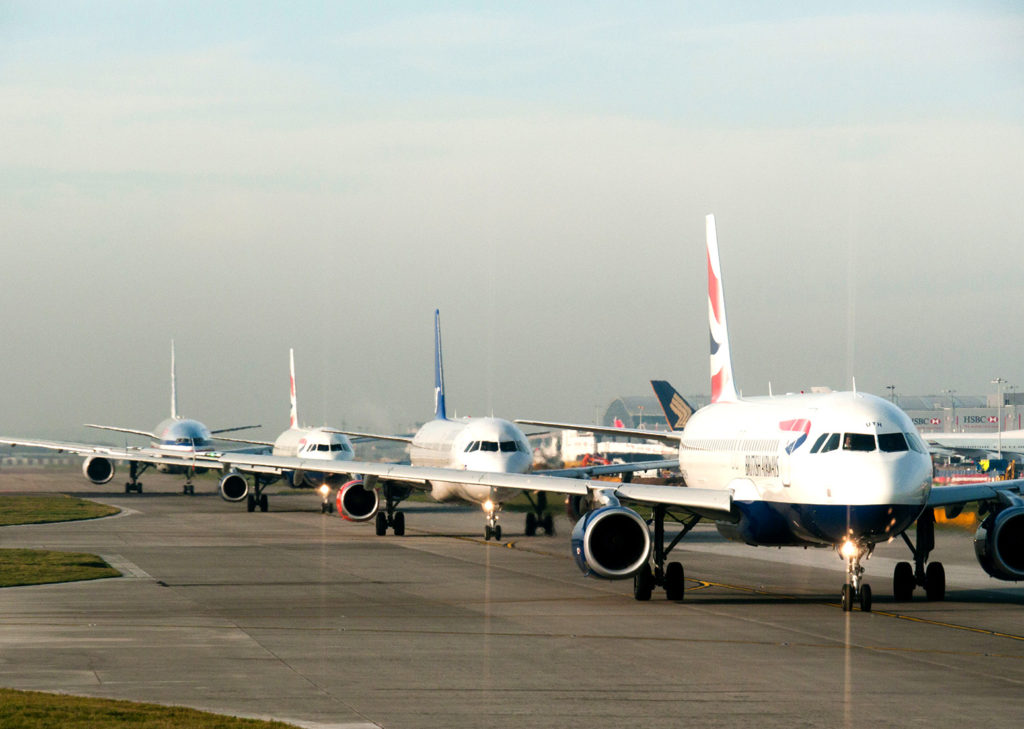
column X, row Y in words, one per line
column 801, row 426
column 723, row 388
column 293, row 421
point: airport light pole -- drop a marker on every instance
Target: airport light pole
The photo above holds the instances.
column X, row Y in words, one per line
column 892, row 393
column 999, row 382
column 952, row 408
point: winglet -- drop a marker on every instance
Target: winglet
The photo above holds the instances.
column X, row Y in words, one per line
column 174, row 388
column 293, row 420
column 677, row 410
column 439, row 410
column 723, row 388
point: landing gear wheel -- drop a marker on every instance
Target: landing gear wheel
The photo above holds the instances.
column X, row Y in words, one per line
column 847, row 598
column 643, row 583
column 138, row 487
column 263, row 502
column 865, row 598
column 188, row 489
column 398, row 524
column 382, row 524
column 531, row 524
column 324, row 507
column 548, row 525
column 127, row 488
column 497, row 532
column 935, row 581
column 488, row 532
column 675, row 585
column 250, row 503
column 903, row 582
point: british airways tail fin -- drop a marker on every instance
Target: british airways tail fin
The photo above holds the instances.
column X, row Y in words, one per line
column 439, row 411
column 723, row 387
column 677, row 410
column 174, row 387
column 293, row 419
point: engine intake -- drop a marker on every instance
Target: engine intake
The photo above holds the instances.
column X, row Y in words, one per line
column 999, row 544
column 98, row 469
column 233, row 487
column 612, row 542
column 357, row 503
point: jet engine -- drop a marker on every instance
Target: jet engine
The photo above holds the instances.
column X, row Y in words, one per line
column 612, row 542
column 999, row 544
column 576, row 505
column 233, row 487
column 356, row 502
column 98, row 469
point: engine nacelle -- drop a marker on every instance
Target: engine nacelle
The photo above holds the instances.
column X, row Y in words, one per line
column 233, row 487
column 576, row 505
column 999, row 544
column 98, row 469
column 612, row 542
column 356, row 503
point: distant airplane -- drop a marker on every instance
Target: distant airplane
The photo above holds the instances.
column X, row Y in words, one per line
column 677, row 410
column 1007, row 444
column 179, row 446
column 840, row 470
column 321, row 443
column 443, row 446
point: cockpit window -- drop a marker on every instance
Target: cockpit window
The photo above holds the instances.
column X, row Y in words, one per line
column 473, row 446
column 818, row 443
column 489, row 445
column 915, row 443
column 891, row 442
column 832, row 443
column 323, row 447
column 508, row 446
column 339, row 447
column 858, row 442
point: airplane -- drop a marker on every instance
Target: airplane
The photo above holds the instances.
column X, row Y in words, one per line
column 839, row 470
column 442, row 445
column 1005, row 444
column 310, row 443
column 179, row 446
column 677, row 410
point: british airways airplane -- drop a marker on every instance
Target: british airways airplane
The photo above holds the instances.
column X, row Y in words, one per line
column 315, row 444
column 178, row 446
column 839, row 470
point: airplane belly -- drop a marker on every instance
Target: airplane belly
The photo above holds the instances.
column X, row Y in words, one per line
column 773, row 523
column 474, row 494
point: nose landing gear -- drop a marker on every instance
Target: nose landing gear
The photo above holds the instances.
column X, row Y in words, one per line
column 855, row 590
column 492, row 528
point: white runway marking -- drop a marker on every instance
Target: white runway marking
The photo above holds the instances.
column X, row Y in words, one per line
column 126, row 568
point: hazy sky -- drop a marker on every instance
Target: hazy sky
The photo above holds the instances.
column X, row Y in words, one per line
column 244, row 177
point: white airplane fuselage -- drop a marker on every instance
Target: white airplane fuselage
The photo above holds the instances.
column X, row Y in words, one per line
column 790, row 487
column 474, row 444
column 314, row 444
column 182, row 436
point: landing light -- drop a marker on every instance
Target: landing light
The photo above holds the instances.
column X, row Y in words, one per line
column 324, row 490
column 488, row 506
column 849, row 549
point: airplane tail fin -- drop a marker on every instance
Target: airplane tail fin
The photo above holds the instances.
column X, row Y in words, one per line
column 174, row 387
column 293, row 420
column 723, row 388
column 439, row 409
column 677, row 410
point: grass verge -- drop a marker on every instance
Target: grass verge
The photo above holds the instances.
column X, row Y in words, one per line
column 45, row 508
column 36, row 710
column 39, row 567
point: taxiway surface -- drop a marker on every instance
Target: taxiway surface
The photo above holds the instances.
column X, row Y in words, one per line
column 308, row 618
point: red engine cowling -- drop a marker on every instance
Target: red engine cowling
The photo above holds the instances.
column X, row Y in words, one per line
column 233, row 487
column 98, row 469
column 356, row 503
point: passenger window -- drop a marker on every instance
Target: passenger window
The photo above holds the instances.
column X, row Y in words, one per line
column 858, row 442
column 832, row 443
column 818, row 443
column 891, row 442
column 489, row 445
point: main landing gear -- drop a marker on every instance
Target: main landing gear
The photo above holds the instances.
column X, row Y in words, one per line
column 855, row 590
column 539, row 518
column 257, row 497
column 135, row 469
column 391, row 517
column 933, row 577
column 671, row 576
column 188, row 489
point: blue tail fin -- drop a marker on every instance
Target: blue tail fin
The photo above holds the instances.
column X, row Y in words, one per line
column 677, row 410
column 439, row 411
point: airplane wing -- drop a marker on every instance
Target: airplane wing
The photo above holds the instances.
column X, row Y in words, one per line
column 661, row 435
column 710, row 503
column 145, row 433
column 965, row 493
column 141, row 455
column 370, row 436
column 610, row 469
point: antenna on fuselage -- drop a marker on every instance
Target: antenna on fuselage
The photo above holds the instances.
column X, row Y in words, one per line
column 174, row 387
column 293, row 420
column 439, row 409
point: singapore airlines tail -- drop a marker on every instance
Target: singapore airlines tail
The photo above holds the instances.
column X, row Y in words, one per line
column 439, row 411
column 723, row 388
